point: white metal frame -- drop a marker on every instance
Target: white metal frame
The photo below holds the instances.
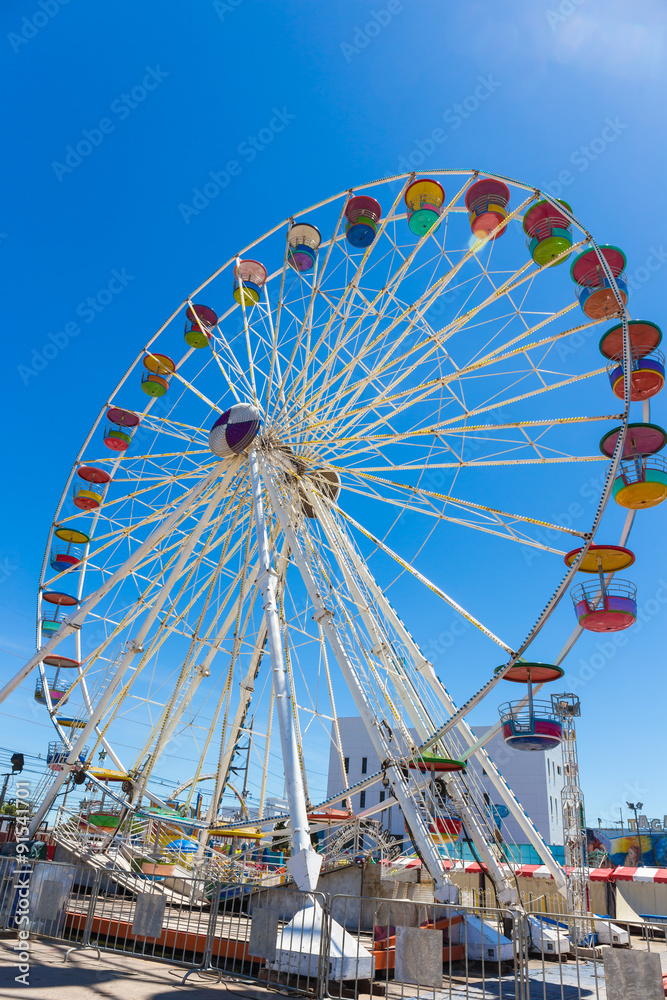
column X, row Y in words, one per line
column 358, row 320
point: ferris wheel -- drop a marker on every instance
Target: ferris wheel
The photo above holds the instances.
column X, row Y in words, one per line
column 369, row 412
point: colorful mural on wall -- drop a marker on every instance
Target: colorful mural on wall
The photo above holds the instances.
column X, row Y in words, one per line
column 625, row 849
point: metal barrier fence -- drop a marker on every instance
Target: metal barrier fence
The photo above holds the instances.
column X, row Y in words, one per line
column 258, row 934
column 8, row 867
column 414, row 948
column 270, row 935
column 575, row 957
column 532, row 902
column 338, row 946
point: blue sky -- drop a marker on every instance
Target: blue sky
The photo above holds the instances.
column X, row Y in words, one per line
column 200, row 126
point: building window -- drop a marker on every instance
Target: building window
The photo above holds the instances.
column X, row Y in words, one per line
column 551, row 805
column 347, row 765
column 382, row 795
column 559, row 770
column 364, row 765
column 487, row 800
column 483, row 773
column 362, row 799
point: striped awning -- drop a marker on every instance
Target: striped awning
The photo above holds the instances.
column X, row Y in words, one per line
column 541, row 871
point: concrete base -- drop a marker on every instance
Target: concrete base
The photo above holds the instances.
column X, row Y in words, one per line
column 548, row 938
column 482, row 940
column 610, row 933
column 299, row 948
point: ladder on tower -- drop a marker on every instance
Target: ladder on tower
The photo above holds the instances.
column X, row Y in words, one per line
column 567, row 707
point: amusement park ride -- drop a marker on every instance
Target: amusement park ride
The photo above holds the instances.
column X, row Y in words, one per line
column 234, row 539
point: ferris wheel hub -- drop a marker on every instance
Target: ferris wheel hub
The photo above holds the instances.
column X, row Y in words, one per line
column 234, row 430
column 303, row 472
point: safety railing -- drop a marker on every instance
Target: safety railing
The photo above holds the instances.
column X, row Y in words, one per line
column 270, row 935
column 75, row 833
column 147, row 918
column 8, row 898
column 574, row 958
column 338, row 946
column 106, row 910
column 203, row 925
column 414, row 948
column 532, row 902
column 140, row 842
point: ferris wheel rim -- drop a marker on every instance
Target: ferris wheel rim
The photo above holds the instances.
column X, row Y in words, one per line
column 472, row 175
column 273, row 276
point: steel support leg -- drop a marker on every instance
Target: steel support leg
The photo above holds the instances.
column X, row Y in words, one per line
column 304, row 864
column 445, row 891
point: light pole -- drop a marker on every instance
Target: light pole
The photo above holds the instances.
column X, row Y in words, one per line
column 635, row 806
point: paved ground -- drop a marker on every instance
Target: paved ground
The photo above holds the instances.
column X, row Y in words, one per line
column 113, row 977
column 123, row 977
column 118, row 977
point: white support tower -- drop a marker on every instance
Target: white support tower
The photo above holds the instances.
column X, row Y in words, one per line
column 304, row 864
column 567, row 707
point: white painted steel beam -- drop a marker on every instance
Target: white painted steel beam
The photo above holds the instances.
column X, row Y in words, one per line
column 425, row 668
column 325, row 616
column 304, row 864
column 137, row 643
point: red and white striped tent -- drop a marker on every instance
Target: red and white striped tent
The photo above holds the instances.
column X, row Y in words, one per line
column 619, row 874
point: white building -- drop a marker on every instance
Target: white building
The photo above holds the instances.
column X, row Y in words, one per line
column 536, row 779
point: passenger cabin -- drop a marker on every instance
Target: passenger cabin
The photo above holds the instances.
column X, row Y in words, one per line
column 362, row 214
column 155, row 379
column 642, row 473
column 249, row 280
column 603, row 605
column 594, row 288
column 487, row 201
column 647, row 364
column 548, row 232
column 90, row 496
column 303, row 243
column 116, row 434
column 424, row 201
column 199, row 321
column 528, row 724
column 66, row 552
